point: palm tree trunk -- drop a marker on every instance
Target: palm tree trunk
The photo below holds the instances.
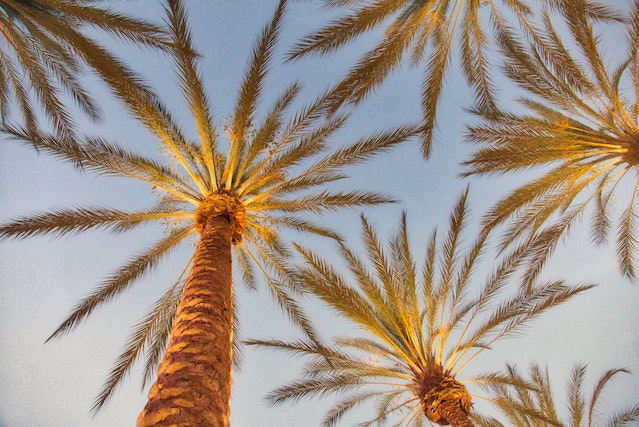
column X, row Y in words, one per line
column 454, row 414
column 194, row 377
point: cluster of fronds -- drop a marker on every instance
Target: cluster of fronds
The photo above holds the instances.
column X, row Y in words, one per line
column 424, row 32
column 581, row 128
column 44, row 49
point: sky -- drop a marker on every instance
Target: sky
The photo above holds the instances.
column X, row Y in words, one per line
column 41, row 279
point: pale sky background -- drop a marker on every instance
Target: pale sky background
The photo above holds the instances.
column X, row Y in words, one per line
column 54, row 384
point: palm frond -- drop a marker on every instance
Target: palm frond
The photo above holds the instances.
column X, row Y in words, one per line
column 59, row 223
column 341, row 31
column 121, row 280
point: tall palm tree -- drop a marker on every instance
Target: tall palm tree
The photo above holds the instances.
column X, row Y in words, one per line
column 420, row 328
column 236, row 193
column 43, row 47
column 424, row 32
column 529, row 402
column 579, row 126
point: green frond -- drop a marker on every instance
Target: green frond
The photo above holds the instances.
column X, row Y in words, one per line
column 529, row 407
column 103, row 157
column 48, row 41
column 477, row 68
column 626, row 240
column 303, row 226
column 26, row 54
column 125, row 27
column 516, row 311
column 365, row 148
column 266, row 132
column 624, row 418
column 601, row 223
column 372, row 69
column 432, row 84
column 121, row 279
column 325, row 282
column 267, row 175
column 316, row 386
column 577, row 403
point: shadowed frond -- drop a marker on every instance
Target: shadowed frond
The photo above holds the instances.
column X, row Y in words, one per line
column 121, row 279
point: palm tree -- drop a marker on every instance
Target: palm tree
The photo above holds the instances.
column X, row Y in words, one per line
column 579, row 127
column 238, row 193
column 43, row 48
column 422, row 328
column 533, row 405
column 423, row 32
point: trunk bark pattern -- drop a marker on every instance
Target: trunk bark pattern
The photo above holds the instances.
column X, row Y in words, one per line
column 194, row 377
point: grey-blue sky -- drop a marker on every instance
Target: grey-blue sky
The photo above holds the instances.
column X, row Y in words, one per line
column 54, row 384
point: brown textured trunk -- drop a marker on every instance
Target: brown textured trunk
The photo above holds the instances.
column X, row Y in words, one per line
column 454, row 414
column 194, row 377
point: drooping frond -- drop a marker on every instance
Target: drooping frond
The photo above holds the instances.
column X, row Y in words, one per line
column 44, row 44
column 148, row 333
column 121, row 279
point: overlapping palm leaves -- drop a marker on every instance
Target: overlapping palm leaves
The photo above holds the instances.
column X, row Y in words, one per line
column 580, row 128
column 529, row 401
column 420, row 329
column 43, row 48
column 276, row 167
column 425, row 32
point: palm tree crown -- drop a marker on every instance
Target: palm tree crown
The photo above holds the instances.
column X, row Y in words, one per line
column 263, row 174
column 42, row 49
column 424, row 31
column 529, row 402
column 422, row 328
column 580, row 127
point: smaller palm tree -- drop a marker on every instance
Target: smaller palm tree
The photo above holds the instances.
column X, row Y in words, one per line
column 528, row 402
column 422, row 328
column 43, row 48
column 579, row 127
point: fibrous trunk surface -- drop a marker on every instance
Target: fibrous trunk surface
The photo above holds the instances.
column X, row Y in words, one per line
column 194, row 377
